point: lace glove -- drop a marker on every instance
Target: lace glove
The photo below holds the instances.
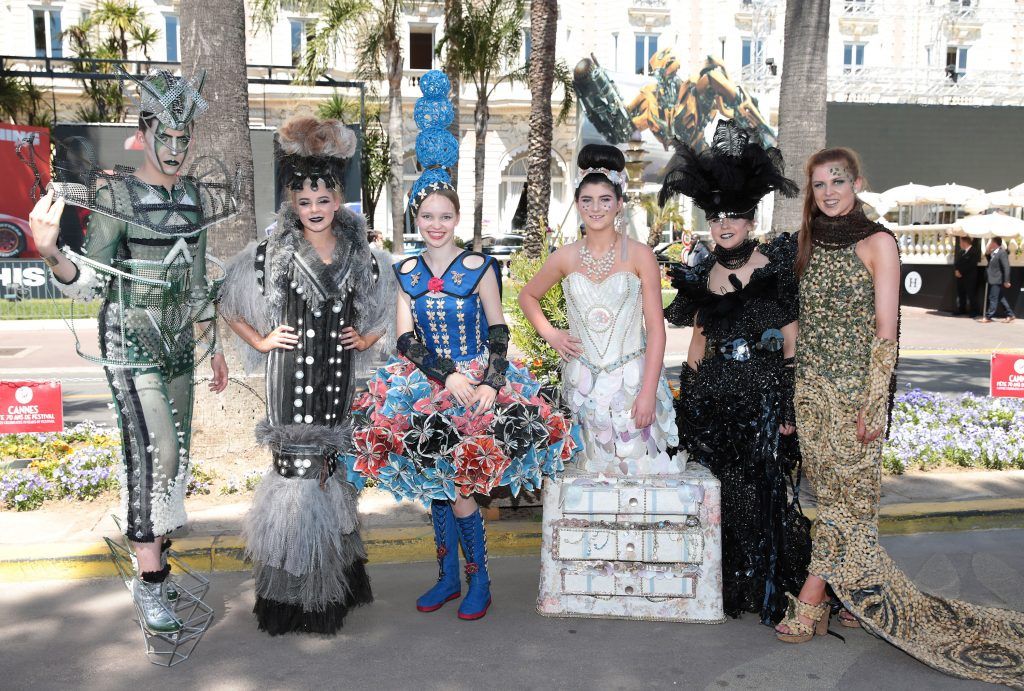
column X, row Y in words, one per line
column 497, row 346
column 883, row 362
column 437, row 368
column 787, row 389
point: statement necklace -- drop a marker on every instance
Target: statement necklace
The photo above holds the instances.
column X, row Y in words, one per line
column 737, row 256
column 594, row 268
column 832, row 233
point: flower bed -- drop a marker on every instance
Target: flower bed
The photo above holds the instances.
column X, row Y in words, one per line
column 81, row 464
column 931, row 430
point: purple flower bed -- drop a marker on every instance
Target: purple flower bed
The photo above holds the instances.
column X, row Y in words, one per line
column 931, row 430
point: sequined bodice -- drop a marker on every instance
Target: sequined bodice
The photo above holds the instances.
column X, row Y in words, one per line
column 449, row 318
column 608, row 318
column 837, row 317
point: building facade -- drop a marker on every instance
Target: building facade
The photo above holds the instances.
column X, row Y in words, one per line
column 914, row 52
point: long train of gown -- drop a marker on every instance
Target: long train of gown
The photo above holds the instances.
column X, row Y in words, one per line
column 833, row 360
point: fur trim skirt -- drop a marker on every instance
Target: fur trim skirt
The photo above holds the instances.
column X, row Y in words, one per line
column 308, row 558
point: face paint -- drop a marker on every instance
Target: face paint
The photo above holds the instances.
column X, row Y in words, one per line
column 168, row 147
column 836, row 171
column 602, row 204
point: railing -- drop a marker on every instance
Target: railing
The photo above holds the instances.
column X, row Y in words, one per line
column 859, row 7
column 888, row 84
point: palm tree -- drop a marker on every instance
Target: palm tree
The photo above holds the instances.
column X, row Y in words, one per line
column 482, row 43
column 543, row 34
column 12, row 97
column 375, row 166
column 660, row 217
column 802, row 97
column 121, row 19
column 452, row 9
column 380, row 42
column 377, row 28
column 144, row 37
column 225, row 129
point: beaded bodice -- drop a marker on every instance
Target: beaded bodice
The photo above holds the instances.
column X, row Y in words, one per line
column 837, row 318
column 608, row 317
column 446, row 310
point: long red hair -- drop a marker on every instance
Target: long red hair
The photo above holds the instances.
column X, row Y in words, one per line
column 838, row 154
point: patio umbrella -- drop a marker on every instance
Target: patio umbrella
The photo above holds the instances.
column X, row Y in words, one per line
column 879, row 202
column 909, row 194
column 991, row 225
column 1004, row 198
column 954, row 194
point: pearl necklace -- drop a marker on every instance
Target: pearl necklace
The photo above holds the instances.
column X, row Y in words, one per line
column 594, row 268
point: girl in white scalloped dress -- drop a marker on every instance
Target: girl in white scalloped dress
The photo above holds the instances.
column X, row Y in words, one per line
column 613, row 378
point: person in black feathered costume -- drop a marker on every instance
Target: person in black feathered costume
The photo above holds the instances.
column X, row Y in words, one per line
column 735, row 410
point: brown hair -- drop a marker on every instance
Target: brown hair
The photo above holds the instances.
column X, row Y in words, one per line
column 838, row 154
column 448, row 194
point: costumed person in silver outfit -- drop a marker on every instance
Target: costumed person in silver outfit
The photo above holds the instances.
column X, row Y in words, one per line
column 145, row 256
column 316, row 300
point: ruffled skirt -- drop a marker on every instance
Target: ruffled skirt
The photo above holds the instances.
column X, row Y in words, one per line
column 603, row 403
column 308, row 558
column 414, row 439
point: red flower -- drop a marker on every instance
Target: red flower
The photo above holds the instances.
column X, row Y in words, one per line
column 558, row 427
column 435, row 284
column 372, row 446
column 479, row 464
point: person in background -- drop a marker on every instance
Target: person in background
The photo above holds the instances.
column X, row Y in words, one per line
column 965, row 269
column 998, row 274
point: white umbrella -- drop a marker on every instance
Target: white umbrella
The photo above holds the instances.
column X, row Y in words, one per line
column 879, row 202
column 991, row 225
column 1018, row 191
column 1003, row 198
column 954, row 194
column 909, row 194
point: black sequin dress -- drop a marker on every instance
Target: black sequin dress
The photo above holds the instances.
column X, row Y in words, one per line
column 728, row 415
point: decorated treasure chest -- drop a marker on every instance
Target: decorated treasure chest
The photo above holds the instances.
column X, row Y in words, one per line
column 644, row 547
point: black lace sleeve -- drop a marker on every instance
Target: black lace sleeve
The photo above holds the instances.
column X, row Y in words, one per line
column 428, row 362
column 692, row 294
column 497, row 346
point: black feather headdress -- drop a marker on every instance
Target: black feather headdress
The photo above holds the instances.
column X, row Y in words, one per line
column 728, row 178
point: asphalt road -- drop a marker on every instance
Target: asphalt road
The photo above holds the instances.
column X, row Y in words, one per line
column 79, row 633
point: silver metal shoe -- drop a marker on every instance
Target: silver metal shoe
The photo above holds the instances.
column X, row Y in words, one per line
column 156, row 612
column 170, row 590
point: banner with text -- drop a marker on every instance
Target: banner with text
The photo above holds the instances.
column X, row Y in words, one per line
column 1007, row 375
column 31, row 406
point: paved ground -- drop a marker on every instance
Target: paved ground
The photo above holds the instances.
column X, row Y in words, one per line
column 56, row 634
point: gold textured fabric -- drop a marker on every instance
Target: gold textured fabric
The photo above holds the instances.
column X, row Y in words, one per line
column 837, row 356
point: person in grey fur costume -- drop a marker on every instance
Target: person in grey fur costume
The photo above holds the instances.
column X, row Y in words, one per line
column 313, row 298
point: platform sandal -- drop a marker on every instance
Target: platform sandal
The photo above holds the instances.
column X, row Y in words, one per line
column 799, row 632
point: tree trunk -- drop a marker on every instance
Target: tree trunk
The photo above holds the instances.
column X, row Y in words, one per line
column 453, row 8
column 395, row 188
column 223, row 132
column 802, row 106
column 480, row 116
column 543, row 30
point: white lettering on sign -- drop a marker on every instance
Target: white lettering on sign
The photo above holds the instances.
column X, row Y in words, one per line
column 30, row 277
column 913, row 283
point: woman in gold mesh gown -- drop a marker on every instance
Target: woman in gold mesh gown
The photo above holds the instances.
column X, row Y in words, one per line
column 849, row 312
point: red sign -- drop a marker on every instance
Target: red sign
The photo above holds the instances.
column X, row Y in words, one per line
column 31, row 406
column 1007, row 378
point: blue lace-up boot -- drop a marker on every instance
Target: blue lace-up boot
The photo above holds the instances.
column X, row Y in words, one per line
column 474, row 547
column 446, row 537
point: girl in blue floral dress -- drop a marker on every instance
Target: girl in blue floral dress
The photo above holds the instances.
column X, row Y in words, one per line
column 452, row 417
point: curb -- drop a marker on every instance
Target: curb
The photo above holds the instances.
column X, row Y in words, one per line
column 225, row 552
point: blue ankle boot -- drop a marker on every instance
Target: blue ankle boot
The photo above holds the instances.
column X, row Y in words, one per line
column 446, row 537
column 474, row 547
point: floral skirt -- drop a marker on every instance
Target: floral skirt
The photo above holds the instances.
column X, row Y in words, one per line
column 418, row 442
